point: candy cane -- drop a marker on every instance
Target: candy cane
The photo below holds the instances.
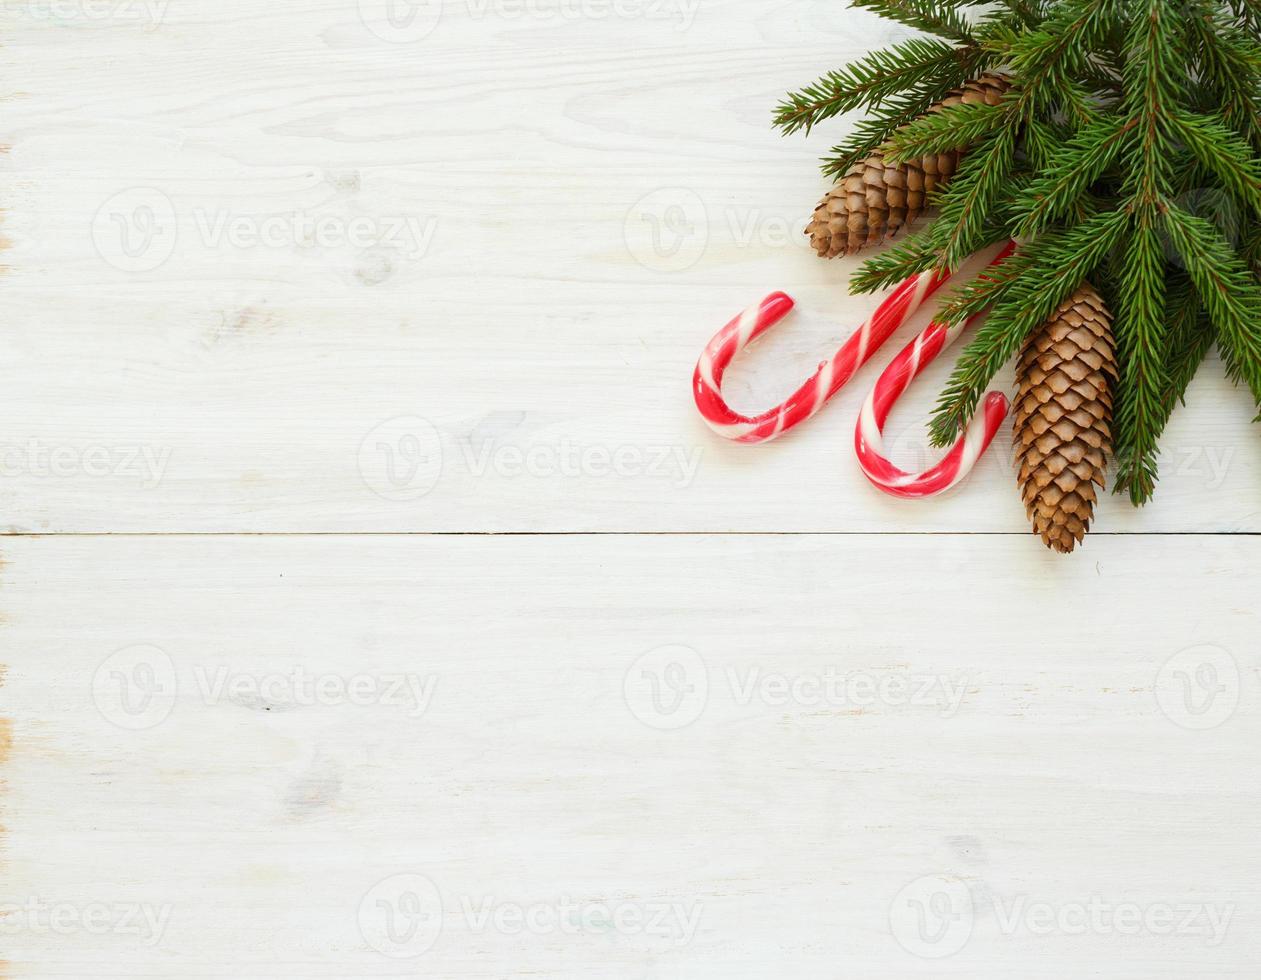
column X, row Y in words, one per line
column 822, row 385
column 896, row 378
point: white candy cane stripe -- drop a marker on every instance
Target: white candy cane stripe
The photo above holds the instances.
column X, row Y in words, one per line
column 826, row 381
column 897, row 377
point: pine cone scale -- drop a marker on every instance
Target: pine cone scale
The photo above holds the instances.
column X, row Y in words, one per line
column 1063, row 418
column 875, row 200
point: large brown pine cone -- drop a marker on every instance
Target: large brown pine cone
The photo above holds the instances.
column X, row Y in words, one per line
column 1063, row 416
column 874, row 200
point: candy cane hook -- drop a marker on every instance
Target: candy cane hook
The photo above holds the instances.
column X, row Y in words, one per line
column 822, row 385
column 896, row 378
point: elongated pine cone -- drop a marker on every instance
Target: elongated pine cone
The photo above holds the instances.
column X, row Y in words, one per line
column 1063, row 417
column 874, row 200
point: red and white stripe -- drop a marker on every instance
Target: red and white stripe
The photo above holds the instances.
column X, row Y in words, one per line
column 896, row 378
column 826, row 381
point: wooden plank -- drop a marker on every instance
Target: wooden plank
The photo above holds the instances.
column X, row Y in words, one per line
column 531, row 220
column 1002, row 740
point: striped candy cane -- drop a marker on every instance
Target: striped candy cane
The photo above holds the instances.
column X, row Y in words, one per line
column 826, row 381
column 897, row 377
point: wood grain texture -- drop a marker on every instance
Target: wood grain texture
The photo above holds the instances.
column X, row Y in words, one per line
column 303, row 275
column 1027, row 767
column 555, row 208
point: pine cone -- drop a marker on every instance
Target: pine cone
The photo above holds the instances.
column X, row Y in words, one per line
column 1063, row 413
column 874, row 199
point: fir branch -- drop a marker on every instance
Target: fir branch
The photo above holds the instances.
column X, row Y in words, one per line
column 1250, row 244
column 1229, row 62
column 1150, row 90
column 1222, row 153
column 868, row 136
column 1067, row 176
column 1042, row 139
column 999, row 37
column 971, row 195
column 1059, row 263
column 1247, row 13
column 913, row 254
column 944, row 130
column 873, row 79
column 1229, row 290
column 1050, row 59
column 1189, row 335
column 1023, row 12
column 1139, row 328
column 975, row 297
column 940, row 17
column 872, row 132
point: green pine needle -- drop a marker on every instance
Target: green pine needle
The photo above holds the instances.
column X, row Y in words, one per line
column 872, row 80
column 1127, row 153
column 1139, row 327
column 913, row 254
column 1222, row 153
column 1059, row 263
column 944, row 131
column 1190, row 335
column 940, row 17
column 1069, row 173
column 1229, row 289
column 972, row 194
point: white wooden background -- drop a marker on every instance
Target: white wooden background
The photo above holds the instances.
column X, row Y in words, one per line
column 373, row 602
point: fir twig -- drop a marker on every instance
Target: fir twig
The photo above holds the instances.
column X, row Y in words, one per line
column 1190, row 335
column 1059, row 263
column 1139, row 326
column 872, row 80
column 972, row 194
column 915, row 253
column 1223, row 154
column 874, row 131
column 1070, row 172
column 940, row 17
column 1229, row 290
column 944, row 130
